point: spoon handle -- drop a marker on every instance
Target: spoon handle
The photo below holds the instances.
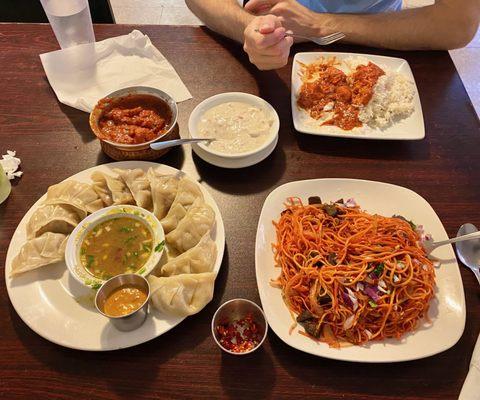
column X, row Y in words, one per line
column 175, row 142
column 470, row 236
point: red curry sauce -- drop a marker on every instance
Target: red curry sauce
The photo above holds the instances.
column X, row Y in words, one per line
column 133, row 119
column 345, row 94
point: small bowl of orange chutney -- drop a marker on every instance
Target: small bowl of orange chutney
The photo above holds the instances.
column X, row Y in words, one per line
column 124, row 300
column 128, row 120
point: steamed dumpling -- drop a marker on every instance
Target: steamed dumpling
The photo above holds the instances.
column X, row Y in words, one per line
column 200, row 258
column 43, row 250
column 170, row 222
column 198, row 220
column 100, row 187
column 56, row 218
column 136, row 180
column 109, row 186
column 164, row 189
column 182, row 295
column 188, row 191
column 76, row 194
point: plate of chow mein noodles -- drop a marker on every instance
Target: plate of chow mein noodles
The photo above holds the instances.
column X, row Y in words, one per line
column 342, row 272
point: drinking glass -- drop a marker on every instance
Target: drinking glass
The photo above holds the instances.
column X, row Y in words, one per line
column 70, row 20
column 5, row 186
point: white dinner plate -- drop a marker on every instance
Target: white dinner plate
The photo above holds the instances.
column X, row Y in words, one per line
column 411, row 128
column 447, row 309
column 52, row 303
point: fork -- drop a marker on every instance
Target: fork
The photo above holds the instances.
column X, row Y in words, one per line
column 321, row 40
column 429, row 245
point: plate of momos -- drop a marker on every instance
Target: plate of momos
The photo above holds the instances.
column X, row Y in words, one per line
column 57, row 307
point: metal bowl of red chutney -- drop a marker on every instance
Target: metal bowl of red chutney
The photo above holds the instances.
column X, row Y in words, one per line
column 128, row 120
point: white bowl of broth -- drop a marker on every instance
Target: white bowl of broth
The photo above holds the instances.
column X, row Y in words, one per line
column 113, row 241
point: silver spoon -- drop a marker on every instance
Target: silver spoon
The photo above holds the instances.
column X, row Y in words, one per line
column 469, row 252
column 176, row 142
column 429, row 245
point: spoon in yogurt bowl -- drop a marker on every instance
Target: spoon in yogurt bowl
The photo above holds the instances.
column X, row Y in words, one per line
column 178, row 142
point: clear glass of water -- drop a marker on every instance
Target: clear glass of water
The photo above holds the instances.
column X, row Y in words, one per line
column 5, row 186
column 70, row 20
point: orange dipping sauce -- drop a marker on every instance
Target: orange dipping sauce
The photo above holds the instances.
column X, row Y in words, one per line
column 124, row 300
column 133, row 119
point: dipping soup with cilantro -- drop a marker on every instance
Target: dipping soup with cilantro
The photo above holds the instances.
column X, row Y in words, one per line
column 117, row 246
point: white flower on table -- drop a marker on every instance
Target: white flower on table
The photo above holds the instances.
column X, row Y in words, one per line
column 10, row 165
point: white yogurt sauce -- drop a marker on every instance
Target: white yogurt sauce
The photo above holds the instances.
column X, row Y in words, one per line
column 238, row 127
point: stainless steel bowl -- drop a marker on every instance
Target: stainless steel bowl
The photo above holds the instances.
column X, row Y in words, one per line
column 136, row 318
column 237, row 309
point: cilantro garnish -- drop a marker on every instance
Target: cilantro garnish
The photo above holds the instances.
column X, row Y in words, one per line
column 159, row 247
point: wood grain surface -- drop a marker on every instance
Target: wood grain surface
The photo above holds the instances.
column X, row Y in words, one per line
column 54, row 142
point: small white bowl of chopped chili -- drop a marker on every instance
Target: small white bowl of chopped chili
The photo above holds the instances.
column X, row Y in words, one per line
column 239, row 327
column 128, row 120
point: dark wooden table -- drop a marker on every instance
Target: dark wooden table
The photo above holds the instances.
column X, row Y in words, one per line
column 54, row 142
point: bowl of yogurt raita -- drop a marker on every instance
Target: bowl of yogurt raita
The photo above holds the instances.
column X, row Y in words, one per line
column 245, row 128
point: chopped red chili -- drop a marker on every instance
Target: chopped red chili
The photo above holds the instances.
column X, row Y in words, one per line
column 240, row 335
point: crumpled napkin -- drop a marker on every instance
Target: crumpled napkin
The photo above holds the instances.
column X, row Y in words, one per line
column 10, row 165
column 83, row 74
column 471, row 386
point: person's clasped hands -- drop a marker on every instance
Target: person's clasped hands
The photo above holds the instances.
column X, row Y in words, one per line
column 264, row 38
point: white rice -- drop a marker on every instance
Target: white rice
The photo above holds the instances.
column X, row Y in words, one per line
column 353, row 62
column 392, row 100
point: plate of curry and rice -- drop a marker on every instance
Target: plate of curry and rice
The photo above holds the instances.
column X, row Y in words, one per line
column 355, row 96
column 131, row 217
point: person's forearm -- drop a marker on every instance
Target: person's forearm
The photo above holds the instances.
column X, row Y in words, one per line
column 223, row 16
column 432, row 27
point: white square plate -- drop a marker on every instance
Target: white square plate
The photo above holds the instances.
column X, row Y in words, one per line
column 447, row 310
column 411, row 128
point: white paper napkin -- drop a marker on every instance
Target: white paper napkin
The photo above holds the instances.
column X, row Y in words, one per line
column 471, row 387
column 83, row 74
column 10, row 165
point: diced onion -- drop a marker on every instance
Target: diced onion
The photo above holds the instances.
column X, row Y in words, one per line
column 350, row 203
column 353, row 299
column 349, row 322
column 328, row 106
